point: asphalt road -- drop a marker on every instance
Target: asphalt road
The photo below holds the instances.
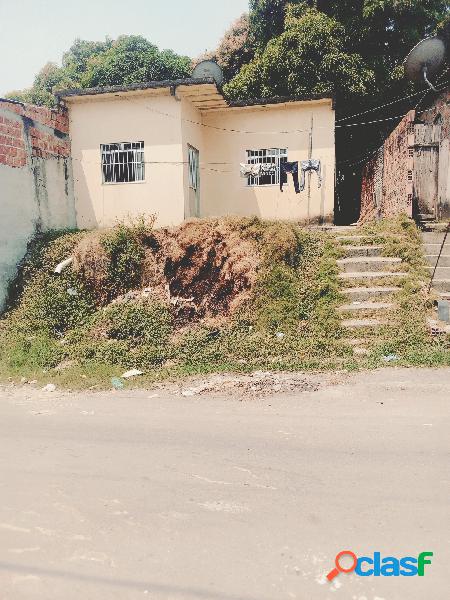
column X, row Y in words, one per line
column 129, row 495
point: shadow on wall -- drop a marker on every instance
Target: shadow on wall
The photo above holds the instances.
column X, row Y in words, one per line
column 35, row 181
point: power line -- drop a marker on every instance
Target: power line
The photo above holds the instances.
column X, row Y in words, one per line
column 399, row 99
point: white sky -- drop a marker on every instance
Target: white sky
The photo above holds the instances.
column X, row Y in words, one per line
column 33, row 32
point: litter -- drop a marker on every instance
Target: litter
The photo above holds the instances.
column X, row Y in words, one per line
column 72, row 292
column 62, row 265
column 117, row 383
column 50, row 387
column 390, row 358
column 188, row 393
column 132, row 373
column 279, row 335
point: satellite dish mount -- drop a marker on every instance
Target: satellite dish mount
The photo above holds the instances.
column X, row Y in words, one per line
column 426, row 60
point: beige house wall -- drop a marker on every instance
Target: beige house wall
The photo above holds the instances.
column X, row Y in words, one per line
column 193, row 135
column 168, row 125
column 225, row 192
column 153, row 119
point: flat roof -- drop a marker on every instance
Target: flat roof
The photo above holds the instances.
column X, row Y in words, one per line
column 204, row 93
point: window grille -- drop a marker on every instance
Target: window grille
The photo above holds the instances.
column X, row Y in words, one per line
column 123, row 162
column 275, row 156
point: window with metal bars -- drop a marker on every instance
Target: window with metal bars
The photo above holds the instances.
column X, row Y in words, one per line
column 123, row 162
column 274, row 156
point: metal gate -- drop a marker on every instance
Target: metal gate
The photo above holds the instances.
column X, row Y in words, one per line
column 426, row 169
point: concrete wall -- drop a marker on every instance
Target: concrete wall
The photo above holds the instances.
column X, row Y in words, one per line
column 225, row 192
column 36, row 187
column 168, row 125
column 154, row 119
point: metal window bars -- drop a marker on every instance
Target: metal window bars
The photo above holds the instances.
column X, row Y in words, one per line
column 264, row 156
column 123, row 162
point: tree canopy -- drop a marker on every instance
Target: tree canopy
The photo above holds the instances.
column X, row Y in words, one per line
column 129, row 59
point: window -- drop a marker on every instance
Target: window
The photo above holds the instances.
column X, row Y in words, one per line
column 193, row 163
column 123, row 163
column 270, row 155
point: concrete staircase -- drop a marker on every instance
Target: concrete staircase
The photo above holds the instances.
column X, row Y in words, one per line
column 369, row 281
column 437, row 252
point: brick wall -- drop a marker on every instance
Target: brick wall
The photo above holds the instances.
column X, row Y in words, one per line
column 440, row 107
column 41, row 131
column 36, row 189
column 387, row 185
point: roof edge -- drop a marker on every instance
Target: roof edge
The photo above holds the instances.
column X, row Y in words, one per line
column 148, row 85
column 283, row 99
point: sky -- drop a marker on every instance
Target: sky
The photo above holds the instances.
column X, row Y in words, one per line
column 34, row 32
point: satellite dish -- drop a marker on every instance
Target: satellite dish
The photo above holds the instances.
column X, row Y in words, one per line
column 208, row 68
column 425, row 60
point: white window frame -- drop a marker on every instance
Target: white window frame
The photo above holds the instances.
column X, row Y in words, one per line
column 122, row 162
column 267, row 155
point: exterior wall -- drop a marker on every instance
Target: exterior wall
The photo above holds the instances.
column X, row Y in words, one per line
column 440, row 107
column 392, row 169
column 192, row 135
column 36, row 187
column 154, row 119
column 225, row 192
column 168, row 125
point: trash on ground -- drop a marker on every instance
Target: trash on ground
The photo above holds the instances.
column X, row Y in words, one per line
column 279, row 335
column 390, row 358
column 117, row 383
column 62, row 265
column 72, row 292
column 132, row 373
column 50, row 387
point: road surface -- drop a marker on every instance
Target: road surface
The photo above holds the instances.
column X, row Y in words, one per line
column 135, row 495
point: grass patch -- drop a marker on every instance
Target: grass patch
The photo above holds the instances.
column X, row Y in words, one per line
column 220, row 295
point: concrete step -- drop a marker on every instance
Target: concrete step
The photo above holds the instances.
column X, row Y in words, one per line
column 436, row 248
column 441, row 285
column 360, row 306
column 371, row 275
column 441, row 272
column 445, row 295
column 364, row 294
column 368, row 263
column 353, row 251
column 361, row 323
column 434, row 237
column 444, row 259
column 350, row 238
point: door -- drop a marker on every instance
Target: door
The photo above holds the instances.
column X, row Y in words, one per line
column 194, row 181
column 426, row 169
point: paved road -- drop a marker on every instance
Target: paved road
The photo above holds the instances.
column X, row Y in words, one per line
column 124, row 496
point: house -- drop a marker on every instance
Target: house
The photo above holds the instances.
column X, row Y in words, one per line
column 175, row 148
column 410, row 172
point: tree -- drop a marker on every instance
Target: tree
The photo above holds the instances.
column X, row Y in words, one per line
column 129, row 59
column 133, row 59
column 309, row 57
column 235, row 49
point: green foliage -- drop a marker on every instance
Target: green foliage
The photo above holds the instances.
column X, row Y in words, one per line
column 139, row 322
column 133, row 59
column 291, row 64
column 129, row 59
column 125, row 251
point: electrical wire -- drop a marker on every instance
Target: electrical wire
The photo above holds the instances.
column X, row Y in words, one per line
column 396, row 101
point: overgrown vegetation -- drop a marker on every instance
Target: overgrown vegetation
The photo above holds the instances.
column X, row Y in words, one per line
column 406, row 338
column 135, row 298
column 207, row 296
